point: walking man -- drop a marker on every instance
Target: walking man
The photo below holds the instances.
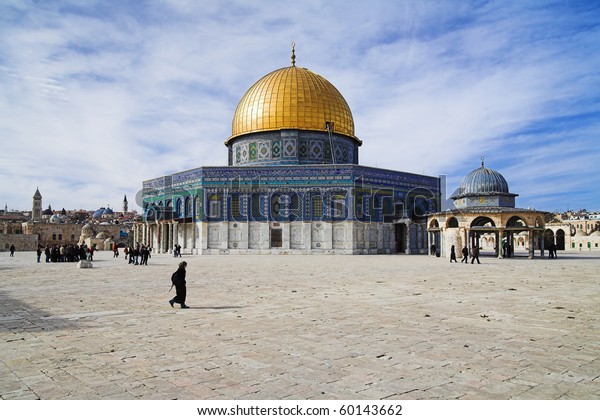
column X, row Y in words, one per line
column 465, row 254
column 475, row 255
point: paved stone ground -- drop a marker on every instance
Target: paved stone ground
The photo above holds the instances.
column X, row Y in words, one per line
column 301, row 327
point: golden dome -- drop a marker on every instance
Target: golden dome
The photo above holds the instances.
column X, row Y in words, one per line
column 292, row 98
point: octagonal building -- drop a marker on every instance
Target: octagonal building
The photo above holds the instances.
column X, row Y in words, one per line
column 292, row 185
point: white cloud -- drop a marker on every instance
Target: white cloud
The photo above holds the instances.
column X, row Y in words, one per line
column 97, row 98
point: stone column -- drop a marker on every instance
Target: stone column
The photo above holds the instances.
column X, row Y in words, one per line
column 194, row 227
column 171, row 240
column 499, row 243
column 531, row 243
column 165, row 248
column 541, row 242
column 431, row 242
column 175, row 233
column 163, row 237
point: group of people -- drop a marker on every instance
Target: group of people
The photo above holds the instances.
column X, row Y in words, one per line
column 138, row 255
column 68, row 253
column 507, row 250
column 465, row 255
column 177, row 251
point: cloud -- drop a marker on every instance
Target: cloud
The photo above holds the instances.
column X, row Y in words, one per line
column 98, row 97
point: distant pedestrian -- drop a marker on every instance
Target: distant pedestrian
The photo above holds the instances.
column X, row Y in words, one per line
column 178, row 280
column 39, row 253
column 453, row 254
column 475, row 255
column 144, row 255
column 12, row 250
column 465, row 255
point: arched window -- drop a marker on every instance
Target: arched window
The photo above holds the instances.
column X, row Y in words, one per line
column 160, row 211
column 188, row 207
column 316, row 207
column 179, row 208
column 359, row 210
column 338, row 206
column 214, row 206
column 198, row 207
column 256, row 208
column 168, row 210
column 236, row 207
column 387, row 209
column 295, row 207
column 276, row 207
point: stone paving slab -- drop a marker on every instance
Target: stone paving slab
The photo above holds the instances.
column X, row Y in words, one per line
column 301, row 327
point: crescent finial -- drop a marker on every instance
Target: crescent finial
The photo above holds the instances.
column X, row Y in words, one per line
column 293, row 54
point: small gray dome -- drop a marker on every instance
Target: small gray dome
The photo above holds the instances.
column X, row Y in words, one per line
column 482, row 181
column 98, row 213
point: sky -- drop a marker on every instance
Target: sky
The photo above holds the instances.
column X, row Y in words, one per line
column 98, row 96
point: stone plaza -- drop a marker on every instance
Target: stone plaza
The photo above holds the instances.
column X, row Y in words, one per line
column 299, row 327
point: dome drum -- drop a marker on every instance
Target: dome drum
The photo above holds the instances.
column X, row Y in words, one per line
column 292, row 147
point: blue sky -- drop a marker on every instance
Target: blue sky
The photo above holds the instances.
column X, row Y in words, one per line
column 97, row 96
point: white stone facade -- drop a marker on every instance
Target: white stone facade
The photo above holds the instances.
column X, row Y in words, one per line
column 299, row 237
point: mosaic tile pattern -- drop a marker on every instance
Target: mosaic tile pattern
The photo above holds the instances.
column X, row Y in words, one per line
column 308, row 151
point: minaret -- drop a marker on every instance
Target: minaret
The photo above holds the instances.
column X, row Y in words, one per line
column 125, row 205
column 36, row 213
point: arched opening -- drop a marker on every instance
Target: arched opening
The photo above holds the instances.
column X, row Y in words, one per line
column 560, row 240
column 452, row 223
column 548, row 239
column 434, row 224
column 515, row 222
column 483, row 221
column 539, row 222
